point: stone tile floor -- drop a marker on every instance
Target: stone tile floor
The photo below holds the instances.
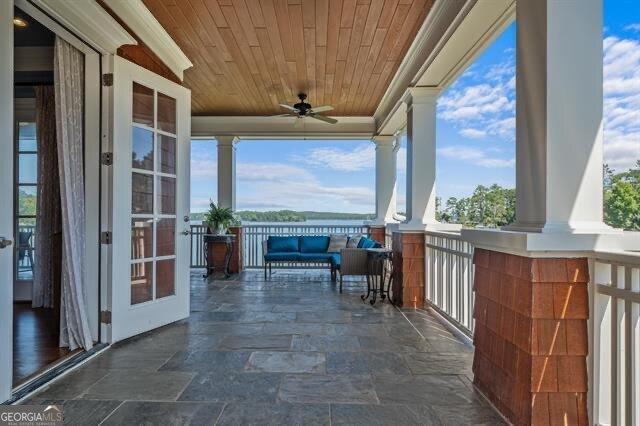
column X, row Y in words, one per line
column 288, row 350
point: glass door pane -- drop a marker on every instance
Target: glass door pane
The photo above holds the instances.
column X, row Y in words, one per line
column 153, row 203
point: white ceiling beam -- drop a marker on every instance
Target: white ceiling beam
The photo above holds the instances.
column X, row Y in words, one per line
column 253, row 127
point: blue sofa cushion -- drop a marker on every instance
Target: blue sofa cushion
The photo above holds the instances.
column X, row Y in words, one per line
column 335, row 260
column 281, row 256
column 282, row 244
column 366, row 243
column 314, row 244
column 315, row 257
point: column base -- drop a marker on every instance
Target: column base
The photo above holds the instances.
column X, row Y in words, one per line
column 408, row 268
column 530, row 336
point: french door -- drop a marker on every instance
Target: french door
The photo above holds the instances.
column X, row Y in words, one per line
column 150, row 204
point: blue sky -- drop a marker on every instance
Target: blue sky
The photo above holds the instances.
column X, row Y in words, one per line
column 475, row 136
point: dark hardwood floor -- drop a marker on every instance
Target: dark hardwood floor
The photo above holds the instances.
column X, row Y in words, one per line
column 35, row 341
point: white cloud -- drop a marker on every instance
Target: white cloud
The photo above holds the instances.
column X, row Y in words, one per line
column 362, row 157
column 204, row 168
column 475, row 156
column 280, row 185
column 621, row 102
column 633, row 27
column 473, row 133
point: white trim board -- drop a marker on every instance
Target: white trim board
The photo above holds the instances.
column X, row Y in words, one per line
column 136, row 15
column 89, row 21
column 269, row 127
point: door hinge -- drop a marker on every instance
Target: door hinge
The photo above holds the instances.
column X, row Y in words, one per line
column 106, row 158
column 105, row 237
column 105, row 317
column 107, row 79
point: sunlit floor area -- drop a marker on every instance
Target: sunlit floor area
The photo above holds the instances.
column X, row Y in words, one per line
column 287, row 350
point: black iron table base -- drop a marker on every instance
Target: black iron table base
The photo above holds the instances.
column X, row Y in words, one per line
column 379, row 267
column 228, row 240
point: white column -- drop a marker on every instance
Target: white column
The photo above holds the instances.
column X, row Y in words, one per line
column 421, row 157
column 386, row 159
column 559, row 116
column 227, row 171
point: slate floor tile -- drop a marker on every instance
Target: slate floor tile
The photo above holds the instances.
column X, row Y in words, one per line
column 73, row 384
column 139, row 385
column 424, row 390
column 275, row 414
column 325, row 343
column 165, row 413
column 276, row 342
column 81, row 412
column 286, row 362
column 377, row 415
column 233, row 387
column 320, row 388
column 206, row 361
column 366, row 363
column 439, row 363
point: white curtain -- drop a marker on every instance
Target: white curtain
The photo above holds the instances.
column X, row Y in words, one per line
column 68, row 73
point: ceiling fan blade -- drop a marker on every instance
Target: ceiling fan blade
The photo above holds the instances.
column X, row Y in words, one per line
column 322, row 108
column 283, row 115
column 298, row 123
column 323, row 118
column 288, row 107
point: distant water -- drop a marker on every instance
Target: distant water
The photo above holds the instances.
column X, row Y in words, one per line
column 308, row 222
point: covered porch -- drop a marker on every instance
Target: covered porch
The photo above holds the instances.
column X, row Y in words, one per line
column 534, row 323
column 289, row 350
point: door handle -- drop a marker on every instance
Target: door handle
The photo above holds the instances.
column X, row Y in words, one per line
column 186, row 232
column 4, row 243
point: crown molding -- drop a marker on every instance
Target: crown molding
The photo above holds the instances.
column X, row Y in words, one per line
column 256, row 127
column 90, row 22
column 140, row 19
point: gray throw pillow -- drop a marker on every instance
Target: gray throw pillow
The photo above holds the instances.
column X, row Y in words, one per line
column 337, row 242
column 353, row 241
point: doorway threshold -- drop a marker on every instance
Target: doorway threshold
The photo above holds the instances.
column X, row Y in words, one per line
column 53, row 372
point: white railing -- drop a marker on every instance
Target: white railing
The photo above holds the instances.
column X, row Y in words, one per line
column 198, row 259
column 254, row 235
column 614, row 338
column 449, row 277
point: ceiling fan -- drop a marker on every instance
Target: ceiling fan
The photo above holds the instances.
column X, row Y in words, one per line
column 302, row 110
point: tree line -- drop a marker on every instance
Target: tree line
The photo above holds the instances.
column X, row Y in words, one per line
column 495, row 206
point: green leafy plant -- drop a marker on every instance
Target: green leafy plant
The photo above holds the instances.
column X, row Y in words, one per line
column 218, row 218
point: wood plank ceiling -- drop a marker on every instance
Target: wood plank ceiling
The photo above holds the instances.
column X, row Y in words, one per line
column 251, row 55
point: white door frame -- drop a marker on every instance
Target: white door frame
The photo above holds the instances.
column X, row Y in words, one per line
column 6, row 187
column 92, row 177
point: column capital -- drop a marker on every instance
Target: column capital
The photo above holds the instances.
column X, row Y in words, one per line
column 421, row 95
column 227, row 140
column 383, row 140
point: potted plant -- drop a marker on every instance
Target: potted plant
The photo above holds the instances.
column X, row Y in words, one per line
column 218, row 218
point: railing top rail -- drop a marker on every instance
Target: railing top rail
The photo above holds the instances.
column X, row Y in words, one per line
column 455, row 235
column 630, row 258
column 303, row 226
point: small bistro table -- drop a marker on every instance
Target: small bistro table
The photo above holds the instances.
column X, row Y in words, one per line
column 209, row 240
column 379, row 265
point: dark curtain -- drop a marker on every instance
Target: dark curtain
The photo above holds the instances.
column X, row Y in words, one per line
column 46, row 273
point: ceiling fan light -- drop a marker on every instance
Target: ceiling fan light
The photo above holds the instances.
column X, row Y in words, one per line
column 19, row 22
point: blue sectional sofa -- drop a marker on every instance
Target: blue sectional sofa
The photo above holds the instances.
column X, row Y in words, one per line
column 305, row 249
